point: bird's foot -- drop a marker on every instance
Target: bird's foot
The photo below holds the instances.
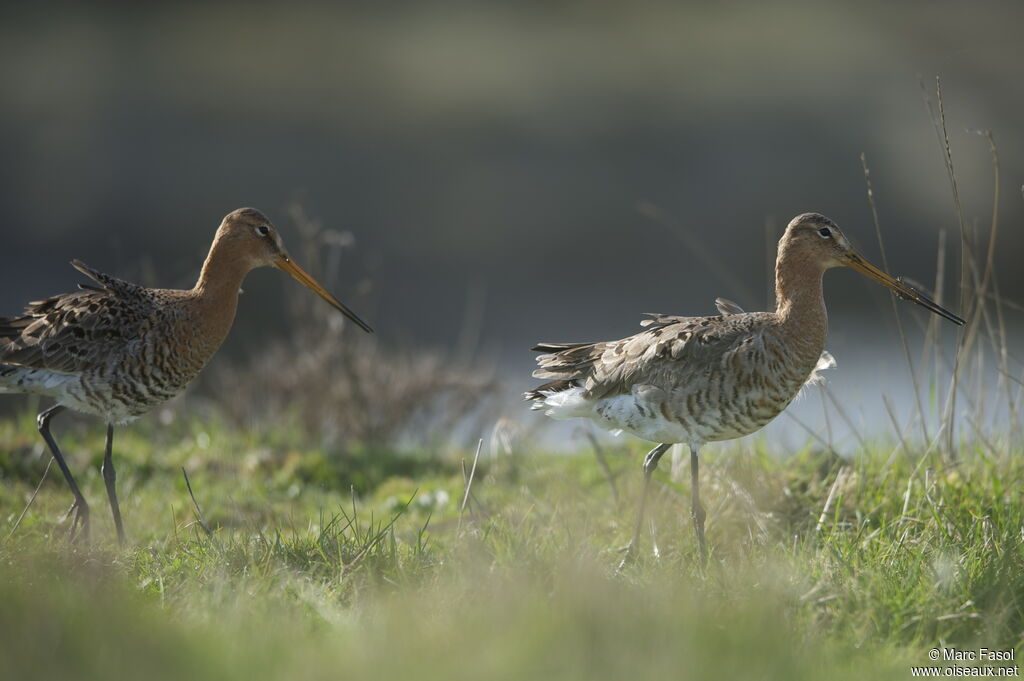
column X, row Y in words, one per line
column 79, row 529
column 702, row 549
column 702, row 554
column 628, row 555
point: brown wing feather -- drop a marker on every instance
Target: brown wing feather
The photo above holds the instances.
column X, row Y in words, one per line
column 669, row 352
column 75, row 331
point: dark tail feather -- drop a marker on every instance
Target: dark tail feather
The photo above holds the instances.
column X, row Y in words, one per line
column 550, row 387
column 557, row 347
column 8, row 378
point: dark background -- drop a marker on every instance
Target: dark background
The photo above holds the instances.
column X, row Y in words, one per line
column 496, row 158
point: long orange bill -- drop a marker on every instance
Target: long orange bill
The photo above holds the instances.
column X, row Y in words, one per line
column 288, row 265
column 902, row 289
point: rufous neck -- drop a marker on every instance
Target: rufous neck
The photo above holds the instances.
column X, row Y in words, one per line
column 223, row 271
column 799, row 297
column 217, row 289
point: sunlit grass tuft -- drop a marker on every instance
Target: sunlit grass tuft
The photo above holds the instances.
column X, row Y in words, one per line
column 298, row 580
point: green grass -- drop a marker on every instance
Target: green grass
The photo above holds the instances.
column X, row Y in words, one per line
column 300, row 581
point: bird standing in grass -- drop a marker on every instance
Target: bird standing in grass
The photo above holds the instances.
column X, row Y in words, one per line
column 116, row 349
column 695, row 380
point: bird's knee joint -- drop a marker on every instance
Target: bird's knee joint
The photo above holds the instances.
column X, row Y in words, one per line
column 109, row 474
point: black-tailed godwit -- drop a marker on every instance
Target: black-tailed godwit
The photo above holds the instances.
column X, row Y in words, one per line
column 695, row 380
column 116, row 349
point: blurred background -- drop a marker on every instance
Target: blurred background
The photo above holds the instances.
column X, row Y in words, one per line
column 492, row 175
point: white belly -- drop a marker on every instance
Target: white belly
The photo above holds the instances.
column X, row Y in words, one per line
column 629, row 414
column 637, row 413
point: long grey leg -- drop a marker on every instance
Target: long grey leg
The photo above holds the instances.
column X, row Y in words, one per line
column 696, row 508
column 80, row 507
column 650, row 464
column 109, row 479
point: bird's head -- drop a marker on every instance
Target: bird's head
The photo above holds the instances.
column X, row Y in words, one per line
column 252, row 238
column 815, row 238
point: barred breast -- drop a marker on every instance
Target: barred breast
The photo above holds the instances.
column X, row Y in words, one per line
column 164, row 356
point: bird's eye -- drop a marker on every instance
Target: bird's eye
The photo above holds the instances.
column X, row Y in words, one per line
column 825, row 233
column 263, row 230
